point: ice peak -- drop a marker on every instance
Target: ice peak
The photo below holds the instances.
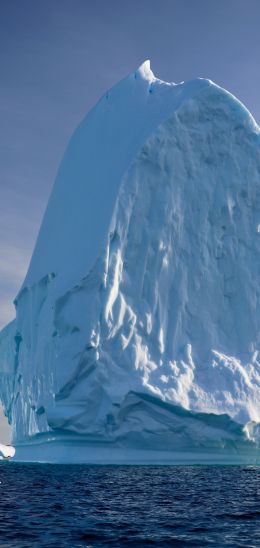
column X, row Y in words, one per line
column 144, row 71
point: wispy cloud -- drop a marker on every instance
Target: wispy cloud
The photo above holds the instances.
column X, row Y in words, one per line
column 13, row 266
column 20, row 215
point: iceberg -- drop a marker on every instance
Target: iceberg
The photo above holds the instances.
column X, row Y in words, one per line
column 137, row 329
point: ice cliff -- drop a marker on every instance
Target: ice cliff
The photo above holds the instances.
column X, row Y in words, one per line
column 136, row 336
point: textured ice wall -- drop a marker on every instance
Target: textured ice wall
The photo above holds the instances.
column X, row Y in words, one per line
column 142, row 298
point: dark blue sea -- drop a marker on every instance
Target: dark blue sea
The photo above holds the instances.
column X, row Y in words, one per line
column 85, row 506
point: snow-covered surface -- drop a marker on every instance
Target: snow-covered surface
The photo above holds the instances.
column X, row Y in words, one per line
column 137, row 327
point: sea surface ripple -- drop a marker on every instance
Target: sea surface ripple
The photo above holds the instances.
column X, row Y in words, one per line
column 45, row 505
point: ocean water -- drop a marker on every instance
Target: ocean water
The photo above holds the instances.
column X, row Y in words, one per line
column 84, row 506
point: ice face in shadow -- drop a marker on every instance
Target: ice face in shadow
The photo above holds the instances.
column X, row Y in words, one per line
column 137, row 326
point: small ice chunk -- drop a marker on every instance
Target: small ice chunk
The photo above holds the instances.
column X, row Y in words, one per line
column 7, row 450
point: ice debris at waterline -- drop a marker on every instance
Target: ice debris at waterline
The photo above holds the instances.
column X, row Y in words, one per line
column 6, row 451
column 136, row 335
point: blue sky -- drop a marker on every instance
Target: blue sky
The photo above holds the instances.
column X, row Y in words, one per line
column 57, row 57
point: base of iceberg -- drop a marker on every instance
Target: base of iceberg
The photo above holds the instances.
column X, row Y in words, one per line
column 81, row 452
column 145, row 430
